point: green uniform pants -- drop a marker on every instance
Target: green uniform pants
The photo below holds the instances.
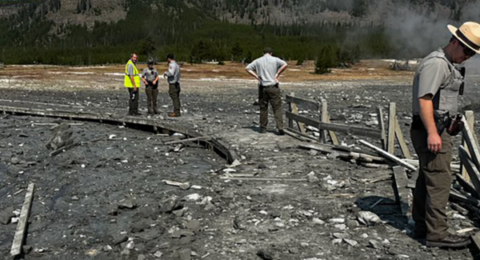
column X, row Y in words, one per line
column 174, row 92
column 272, row 95
column 152, row 96
column 133, row 101
column 433, row 185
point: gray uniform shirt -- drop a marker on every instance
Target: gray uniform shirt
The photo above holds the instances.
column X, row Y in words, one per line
column 150, row 75
column 266, row 68
column 173, row 73
column 431, row 74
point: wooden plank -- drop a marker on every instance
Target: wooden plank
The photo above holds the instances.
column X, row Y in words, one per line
column 297, row 135
column 412, row 182
column 401, row 141
column 388, row 155
column 382, row 127
column 392, row 117
column 219, row 147
column 323, row 119
column 22, row 222
column 469, row 116
column 401, row 191
column 372, row 133
column 476, row 240
column 471, row 169
column 467, row 185
column 457, row 196
column 472, row 144
column 294, row 109
column 333, row 136
column 189, row 140
column 308, row 104
column 262, row 179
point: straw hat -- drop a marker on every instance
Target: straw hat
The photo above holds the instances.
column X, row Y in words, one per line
column 468, row 34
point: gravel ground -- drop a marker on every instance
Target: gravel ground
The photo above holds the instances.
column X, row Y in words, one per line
column 107, row 200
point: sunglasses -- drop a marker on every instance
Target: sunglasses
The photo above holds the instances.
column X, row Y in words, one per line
column 467, row 51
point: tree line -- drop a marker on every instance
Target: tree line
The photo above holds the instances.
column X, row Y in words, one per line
column 193, row 36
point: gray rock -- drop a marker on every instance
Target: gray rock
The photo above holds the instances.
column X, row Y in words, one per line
column 374, row 244
column 263, row 254
column 15, row 160
column 352, row 223
column 368, row 218
column 6, row 215
column 351, row 242
column 27, row 249
column 119, row 239
column 193, row 225
column 127, row 204
column 140, row 226
column 185, row 254
column 312, row 179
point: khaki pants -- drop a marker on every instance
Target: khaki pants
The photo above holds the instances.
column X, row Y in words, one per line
column 272, row 95
column 133, row 101
column 152, row 95
column 174, row 91
column 433, row 185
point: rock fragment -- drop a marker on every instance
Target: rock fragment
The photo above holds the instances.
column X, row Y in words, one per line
column 368, row 218
column 6, row 215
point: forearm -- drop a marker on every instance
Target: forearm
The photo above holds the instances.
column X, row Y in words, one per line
column 170, row 72
column 427, row 114
column 281, row 70
column 251, row 72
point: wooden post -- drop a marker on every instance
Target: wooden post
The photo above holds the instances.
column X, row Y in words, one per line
column 472, row 144
column 470, row 118
column 323, row 119
column 401, row 191
column 333, row 136
column 471, row 169
column 294, row 109
column 22, row 222
column 392, row 116
column 382, row 127
column 290, row 109
column 401, row 141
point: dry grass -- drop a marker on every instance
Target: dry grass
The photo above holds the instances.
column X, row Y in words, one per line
column 366, row 69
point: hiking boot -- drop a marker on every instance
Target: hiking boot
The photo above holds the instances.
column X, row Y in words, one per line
column 263, row 130
column 173, row 114
column 281, row 132
column 450, row 241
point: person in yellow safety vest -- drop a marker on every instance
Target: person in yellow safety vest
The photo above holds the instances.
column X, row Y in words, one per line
column 132, row 83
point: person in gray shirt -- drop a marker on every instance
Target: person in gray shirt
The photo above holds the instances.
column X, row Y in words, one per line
column 173, row 78
column 150, row 79
column 266, row 70
column 436, row 86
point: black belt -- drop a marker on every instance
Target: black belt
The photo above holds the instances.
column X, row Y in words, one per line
column 276, row 85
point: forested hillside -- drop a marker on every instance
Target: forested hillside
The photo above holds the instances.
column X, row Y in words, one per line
column 80, row 32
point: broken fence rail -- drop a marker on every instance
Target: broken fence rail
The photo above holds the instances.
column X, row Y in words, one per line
column 358, row 131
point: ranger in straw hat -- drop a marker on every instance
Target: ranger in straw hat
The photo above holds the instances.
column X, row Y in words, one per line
column 436, row 87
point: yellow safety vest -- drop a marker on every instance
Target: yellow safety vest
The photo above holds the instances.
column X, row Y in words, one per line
column 136, row 77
